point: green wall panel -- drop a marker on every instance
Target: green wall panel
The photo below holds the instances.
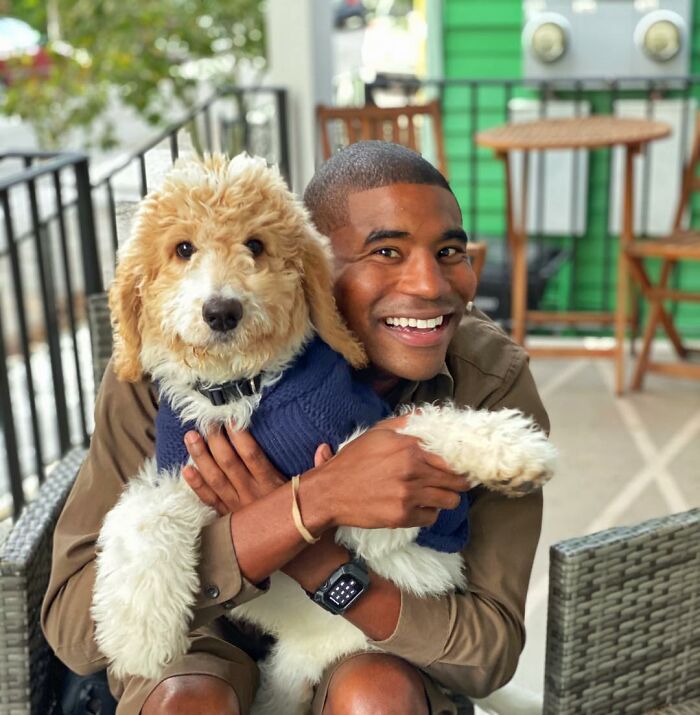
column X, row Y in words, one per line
column 482, row 41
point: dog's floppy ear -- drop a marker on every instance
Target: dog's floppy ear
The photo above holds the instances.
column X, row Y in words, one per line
column 125, row 308
column 318, row 289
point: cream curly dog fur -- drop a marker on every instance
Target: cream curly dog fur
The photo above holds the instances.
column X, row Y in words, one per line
column 146, row 582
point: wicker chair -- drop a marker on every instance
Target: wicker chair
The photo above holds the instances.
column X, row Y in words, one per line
column 623, row 630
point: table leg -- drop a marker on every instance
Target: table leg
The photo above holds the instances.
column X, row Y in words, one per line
column 626, row 235
column 517, row 239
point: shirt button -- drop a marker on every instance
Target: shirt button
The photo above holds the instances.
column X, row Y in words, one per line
column 212, row 591
column 229, row 604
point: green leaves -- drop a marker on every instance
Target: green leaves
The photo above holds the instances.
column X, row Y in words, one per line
column 142, row 53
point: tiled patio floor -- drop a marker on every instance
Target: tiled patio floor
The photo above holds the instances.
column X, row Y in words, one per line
column 622, row 461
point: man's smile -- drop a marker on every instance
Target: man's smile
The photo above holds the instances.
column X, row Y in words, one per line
column 418, row 332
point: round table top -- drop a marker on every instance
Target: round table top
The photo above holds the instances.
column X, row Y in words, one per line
column 575, row 133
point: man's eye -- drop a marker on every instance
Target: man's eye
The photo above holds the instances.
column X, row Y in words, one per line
column 450, row 251
column 185, row 250
column 387, row 252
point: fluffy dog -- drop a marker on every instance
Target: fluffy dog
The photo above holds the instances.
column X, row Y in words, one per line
column 225, row 278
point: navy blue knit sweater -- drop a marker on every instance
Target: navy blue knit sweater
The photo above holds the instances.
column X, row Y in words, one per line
column 317, row 400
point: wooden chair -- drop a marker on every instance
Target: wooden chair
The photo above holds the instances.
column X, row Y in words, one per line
column 680, row 245
column 340, row 126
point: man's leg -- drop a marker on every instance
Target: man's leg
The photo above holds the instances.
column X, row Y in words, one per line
column 213, row 678
column 376, row 684
column 186, row 694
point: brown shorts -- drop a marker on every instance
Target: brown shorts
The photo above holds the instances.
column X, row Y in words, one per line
column 211, row 654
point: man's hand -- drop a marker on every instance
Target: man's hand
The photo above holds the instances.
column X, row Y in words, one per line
column 230, row 469
column 381, row 479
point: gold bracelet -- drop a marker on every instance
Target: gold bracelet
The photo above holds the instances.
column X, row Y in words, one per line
column 296, row 514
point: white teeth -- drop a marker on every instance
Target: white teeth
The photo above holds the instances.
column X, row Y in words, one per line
column 428, row 324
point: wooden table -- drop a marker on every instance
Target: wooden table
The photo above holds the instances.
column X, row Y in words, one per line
column 576, row 133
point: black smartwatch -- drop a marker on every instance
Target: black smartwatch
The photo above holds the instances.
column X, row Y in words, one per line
column 343, row 587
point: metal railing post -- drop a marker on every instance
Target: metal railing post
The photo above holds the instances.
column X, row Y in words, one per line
column 283, row 124
column 92, row 273
column 7, row 422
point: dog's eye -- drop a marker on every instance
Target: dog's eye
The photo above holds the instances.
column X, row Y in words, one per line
column 185, row 250
column 255, row 246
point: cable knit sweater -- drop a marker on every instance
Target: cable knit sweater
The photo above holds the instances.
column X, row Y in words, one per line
column 317, row 400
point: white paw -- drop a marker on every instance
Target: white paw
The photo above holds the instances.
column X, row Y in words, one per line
column 503, row 450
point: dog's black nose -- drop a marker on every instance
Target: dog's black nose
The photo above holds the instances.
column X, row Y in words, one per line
column 222, row 314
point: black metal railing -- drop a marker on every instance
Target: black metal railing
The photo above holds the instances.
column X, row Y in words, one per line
column 35, row 259
column 59, row 234
column 582, row 267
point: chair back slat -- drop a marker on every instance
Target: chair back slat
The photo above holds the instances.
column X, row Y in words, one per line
column 400, row 125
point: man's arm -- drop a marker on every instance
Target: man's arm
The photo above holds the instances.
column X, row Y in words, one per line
column 123, row 438
column 475, row 637
column 469, row 642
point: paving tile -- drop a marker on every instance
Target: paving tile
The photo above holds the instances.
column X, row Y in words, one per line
column 603, row 480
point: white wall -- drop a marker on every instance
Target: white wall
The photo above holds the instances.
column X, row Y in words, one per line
column 299, row 51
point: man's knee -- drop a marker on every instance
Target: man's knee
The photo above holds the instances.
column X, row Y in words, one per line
column 186, row 694
column 376, row 684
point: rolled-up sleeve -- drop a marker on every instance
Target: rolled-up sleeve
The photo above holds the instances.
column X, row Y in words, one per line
column 222, row 586
column 470, row 642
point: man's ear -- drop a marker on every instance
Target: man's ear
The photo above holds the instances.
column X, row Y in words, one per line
column 126, row 306
column 318, row 289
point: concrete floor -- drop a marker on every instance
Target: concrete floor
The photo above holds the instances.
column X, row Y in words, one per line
column 622, row 461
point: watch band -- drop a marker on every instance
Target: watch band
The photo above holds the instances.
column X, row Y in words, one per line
column 343, row 587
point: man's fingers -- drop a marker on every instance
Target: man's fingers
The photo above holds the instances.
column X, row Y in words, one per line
column 225, row 456
column 425, row 516
column 442, row 479
column 393, row 423
column 322, row 455
column 208, row 467
column 435, row 461
column 439, row 498
column 202, row 490
column 252, row 456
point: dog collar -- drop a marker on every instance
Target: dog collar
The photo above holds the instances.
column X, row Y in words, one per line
column 231, row 391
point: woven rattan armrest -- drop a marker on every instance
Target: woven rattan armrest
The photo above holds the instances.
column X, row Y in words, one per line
column 624, row 618
column 25, row 563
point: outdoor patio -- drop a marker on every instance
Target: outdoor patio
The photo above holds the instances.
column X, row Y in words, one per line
column 622, row 460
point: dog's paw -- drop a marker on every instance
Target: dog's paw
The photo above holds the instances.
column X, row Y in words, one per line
column 503, row 450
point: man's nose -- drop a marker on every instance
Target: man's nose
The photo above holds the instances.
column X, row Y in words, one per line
column 222, row 314
column 423, row 276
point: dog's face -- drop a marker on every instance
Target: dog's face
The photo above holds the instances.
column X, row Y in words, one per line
column 223, row 276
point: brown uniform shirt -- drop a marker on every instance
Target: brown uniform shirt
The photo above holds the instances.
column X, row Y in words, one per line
column 469, row 642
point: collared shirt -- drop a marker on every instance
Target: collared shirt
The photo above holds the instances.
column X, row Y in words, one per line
column 469, row 642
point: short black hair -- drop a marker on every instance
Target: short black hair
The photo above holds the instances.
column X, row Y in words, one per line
column 359, row 167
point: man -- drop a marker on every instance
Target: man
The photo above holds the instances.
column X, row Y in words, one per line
column 396, row 232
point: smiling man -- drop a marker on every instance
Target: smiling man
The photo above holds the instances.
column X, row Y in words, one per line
column 405, row 286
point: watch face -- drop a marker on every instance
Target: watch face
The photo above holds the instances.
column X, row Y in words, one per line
column 344, row 591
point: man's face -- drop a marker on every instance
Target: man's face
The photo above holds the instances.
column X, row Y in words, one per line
column 402, row 275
